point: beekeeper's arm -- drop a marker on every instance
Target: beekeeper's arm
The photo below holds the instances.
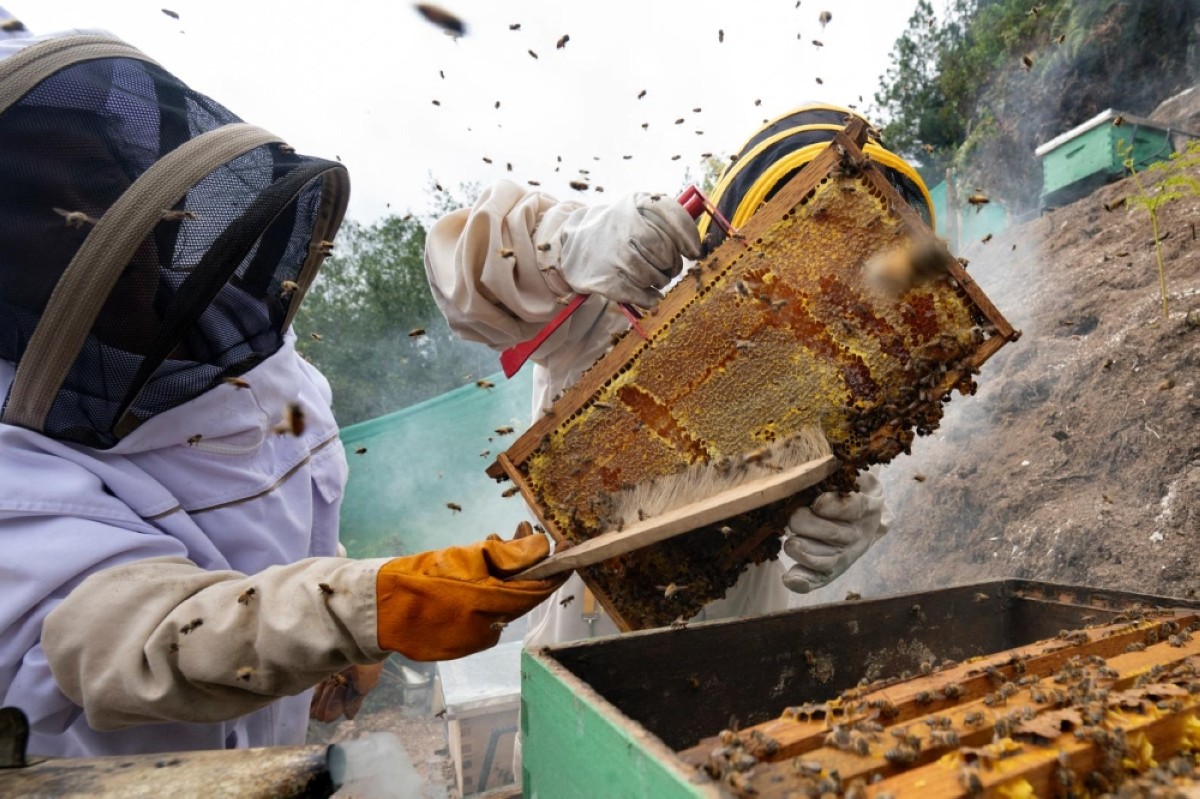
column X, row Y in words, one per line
column 499, row 269
column 161, row 639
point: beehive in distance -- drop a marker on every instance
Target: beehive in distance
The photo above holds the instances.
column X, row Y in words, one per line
column 775, row 333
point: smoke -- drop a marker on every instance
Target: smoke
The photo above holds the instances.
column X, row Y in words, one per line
column 374, row 767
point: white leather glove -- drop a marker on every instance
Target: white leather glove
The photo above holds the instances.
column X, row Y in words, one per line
column 826, row 538
column 627, row 250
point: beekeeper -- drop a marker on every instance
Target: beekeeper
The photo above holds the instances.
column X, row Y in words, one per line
column 171, row 474
column 498, row 269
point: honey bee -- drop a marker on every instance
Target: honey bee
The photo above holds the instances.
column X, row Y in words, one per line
column 288, row 287
column 293, row 420
column 544, row 247
column 1062, row 37
column 485, row 453
column 818, row 43
column 360, row 451
column 978, row 200
column 516, row 26
column 972, row 719
column 194, row 440
column 1033, row 12
column 190, row 626
column 245, row 597
column 562, row 603
column 901, row 755
column 824, row 18
column 510, row 492
column 497, row 104
column 237, row 382
column 820, row 82
column 454, row 507
column 439, row 16
column 645, row 125
column 986, row 239
column 599, row 189
column 676, row 157
column 486, row 160
column 76, row 218
column 172, row 648
column 533, row 55
column 578, row 185
column 167, row 11
column 853, row 596
column 1027, row 60
column 980, row 597
column 245, row 673
column 679, row 121
column 505, row 252
column 670, row 590
column 1118, row 121
column 315, row 336
column 920, row 478
column 725, row 530
column 533, row 182
column 485, row 384
column 416, row 332
column 562, row 42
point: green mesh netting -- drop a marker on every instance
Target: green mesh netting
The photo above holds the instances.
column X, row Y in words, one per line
column 421, row 458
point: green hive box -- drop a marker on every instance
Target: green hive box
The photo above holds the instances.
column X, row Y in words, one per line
column 615, row 717
column 1084, row 158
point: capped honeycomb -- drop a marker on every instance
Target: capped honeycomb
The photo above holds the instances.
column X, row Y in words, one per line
column 778, row 331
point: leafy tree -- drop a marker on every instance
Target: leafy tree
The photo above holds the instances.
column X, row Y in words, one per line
column 368, row 297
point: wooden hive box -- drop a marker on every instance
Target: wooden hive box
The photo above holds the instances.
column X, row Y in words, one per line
column 776, row 332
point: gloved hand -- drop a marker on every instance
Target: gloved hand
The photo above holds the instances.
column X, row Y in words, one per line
column 627, row 250
column 343, row 693
column 826, row 538
column 453, row 602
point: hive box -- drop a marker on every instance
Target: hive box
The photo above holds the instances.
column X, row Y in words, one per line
column 481, row 695
column 608, row 717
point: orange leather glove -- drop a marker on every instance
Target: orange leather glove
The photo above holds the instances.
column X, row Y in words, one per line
column 453, row 602
column 343, row 693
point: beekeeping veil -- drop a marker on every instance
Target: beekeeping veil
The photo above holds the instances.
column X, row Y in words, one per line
column 151, row 243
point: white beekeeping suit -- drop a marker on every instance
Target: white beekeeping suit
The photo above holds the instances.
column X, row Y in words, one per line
column 171, row 474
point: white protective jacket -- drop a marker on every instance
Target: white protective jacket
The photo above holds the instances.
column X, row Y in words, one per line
column 107, row 558
column 503, row 301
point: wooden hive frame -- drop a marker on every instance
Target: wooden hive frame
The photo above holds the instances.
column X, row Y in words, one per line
column 843, row 156
column 1004, row 725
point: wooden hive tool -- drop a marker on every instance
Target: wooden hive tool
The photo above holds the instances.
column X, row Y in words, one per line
column 773, row 343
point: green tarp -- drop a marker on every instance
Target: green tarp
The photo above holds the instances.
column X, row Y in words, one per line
column 421, row 458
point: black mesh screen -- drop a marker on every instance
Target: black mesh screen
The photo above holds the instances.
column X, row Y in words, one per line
column 201, row 299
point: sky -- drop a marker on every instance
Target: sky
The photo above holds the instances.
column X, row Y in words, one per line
column 357, row 81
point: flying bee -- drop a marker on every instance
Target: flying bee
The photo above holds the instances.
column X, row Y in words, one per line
column 1027, row 60
column 75, row 218
column 360, row 451
column 645, row 125
column 316, row 336
column 510, row 492
column 288, row 287
column 986, row 239
column 293, row 420
column 484, row 384
column 194, row 440
column 533, row 55
column 920, row 478
column 824, row 18
column 237, row 382
column 820, row 82
column 245, row 673
column 326, row 589
column 670, row 590
column 533, row 182
column 562, row 603
column 450, row 24
column 562, row 42
column 676, row 157
column 16, row 25
column 578, row 185
column 190, row 626
column 485, row 453
column 167, row 11
column 454, row 507
column 416, row 332
column 1118, row 121
column 505, row 252
column 720, row 35
column 516, row 26
column 978, row 200
column 1062, row 37
column 245, row 597
column 503, row 431
column 544, row 247
column 818, row 43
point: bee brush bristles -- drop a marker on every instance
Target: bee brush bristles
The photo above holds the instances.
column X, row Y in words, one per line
column 703, row 480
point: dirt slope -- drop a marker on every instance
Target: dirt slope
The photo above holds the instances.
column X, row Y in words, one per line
column 1079, row 458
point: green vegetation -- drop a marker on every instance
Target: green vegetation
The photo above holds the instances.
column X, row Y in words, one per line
column 1169, row 181
column 369, row 295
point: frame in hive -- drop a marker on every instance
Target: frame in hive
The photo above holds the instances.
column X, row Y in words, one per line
column 774, row 333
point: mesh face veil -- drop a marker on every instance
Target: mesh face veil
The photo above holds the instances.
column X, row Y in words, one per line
column 151, row 243
column 781, row 148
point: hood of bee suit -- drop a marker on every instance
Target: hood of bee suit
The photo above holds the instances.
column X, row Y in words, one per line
column 151, row 243
column 781, row 148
